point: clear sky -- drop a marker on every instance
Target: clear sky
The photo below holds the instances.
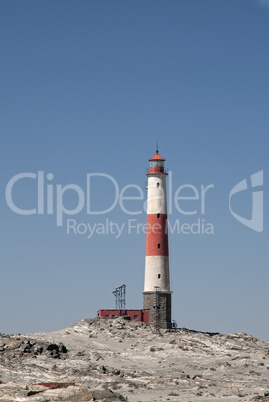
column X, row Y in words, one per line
column 89, row 87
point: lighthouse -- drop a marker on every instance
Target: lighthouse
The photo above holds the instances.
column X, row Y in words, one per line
column 157, row 294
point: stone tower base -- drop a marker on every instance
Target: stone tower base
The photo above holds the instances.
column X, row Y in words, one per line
column 164, row 310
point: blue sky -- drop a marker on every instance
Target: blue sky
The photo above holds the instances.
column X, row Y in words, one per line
column 89, row 87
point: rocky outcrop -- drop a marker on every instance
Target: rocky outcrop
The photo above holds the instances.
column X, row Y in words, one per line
column 19, row 347
column 98, row 359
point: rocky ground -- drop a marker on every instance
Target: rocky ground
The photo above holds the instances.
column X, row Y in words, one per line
column 120, row 360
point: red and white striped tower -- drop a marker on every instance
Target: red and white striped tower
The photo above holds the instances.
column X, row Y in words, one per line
column 157, row 294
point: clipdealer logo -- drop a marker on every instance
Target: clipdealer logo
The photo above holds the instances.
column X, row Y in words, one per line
column 256, row 220
column 51, row 197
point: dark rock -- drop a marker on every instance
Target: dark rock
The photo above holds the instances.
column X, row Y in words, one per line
column 197, row 376
column 62, row 348
column 55, row 350
column 103, row 369
column 115, row 372
column 31, row 393
column 28, row 347
column 184, row 376
column 52, row 347
column 38, row 350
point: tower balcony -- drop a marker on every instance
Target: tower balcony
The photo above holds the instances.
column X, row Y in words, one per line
column 156, row 169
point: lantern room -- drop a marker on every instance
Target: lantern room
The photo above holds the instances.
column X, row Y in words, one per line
column 156, row 163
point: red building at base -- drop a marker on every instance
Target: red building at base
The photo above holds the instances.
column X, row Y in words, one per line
column 134, row 315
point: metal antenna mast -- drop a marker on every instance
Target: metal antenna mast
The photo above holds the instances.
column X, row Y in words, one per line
column 120, row 294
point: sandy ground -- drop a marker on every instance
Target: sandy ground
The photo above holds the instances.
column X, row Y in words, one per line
column 123, row 360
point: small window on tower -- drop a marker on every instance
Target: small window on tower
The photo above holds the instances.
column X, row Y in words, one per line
column 158, row 184
column 158, row 215
column 159, row 275
column 159, row 246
